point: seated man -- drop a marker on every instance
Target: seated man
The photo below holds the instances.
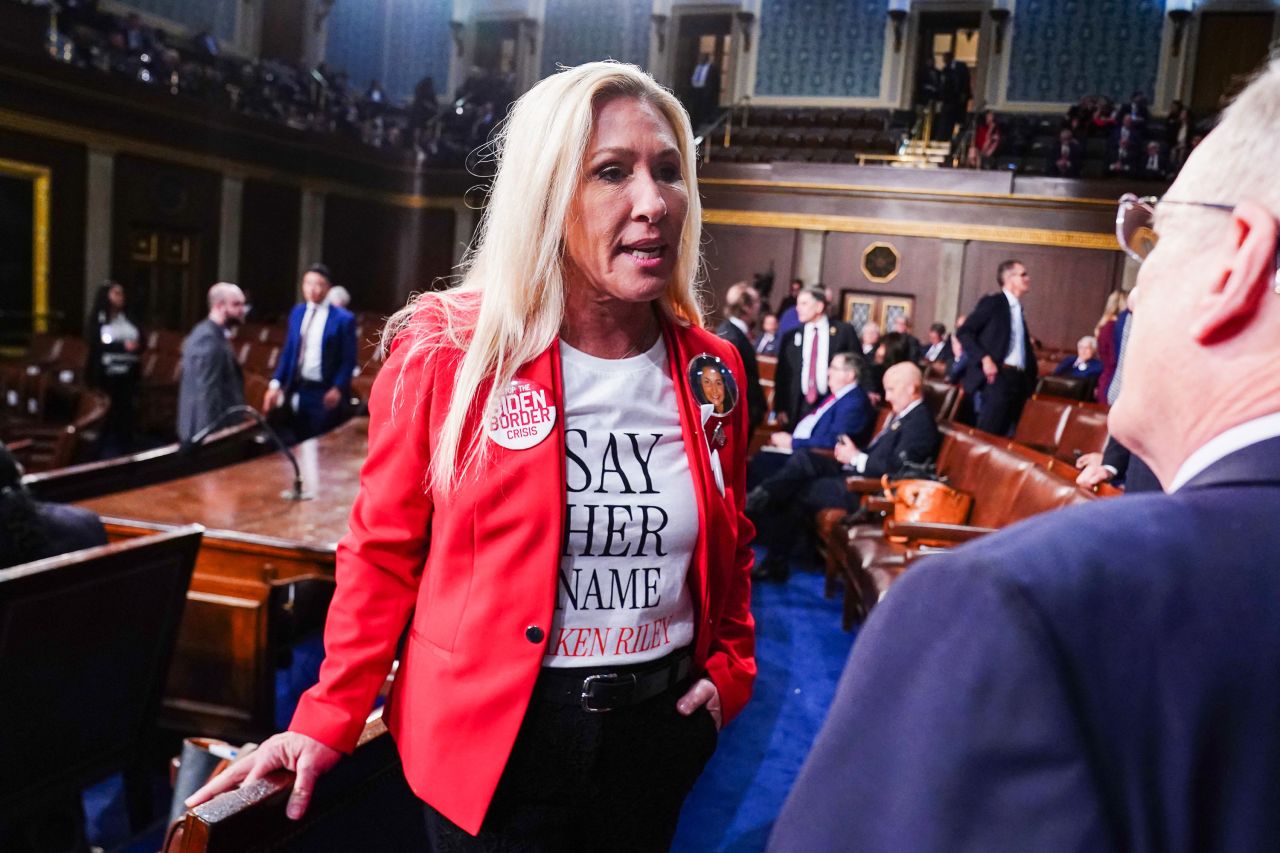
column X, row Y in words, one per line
column 1085, row 364
column 845, row 411
column 809, row 482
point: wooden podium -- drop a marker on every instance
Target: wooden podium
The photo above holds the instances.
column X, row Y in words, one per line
column 265, row 564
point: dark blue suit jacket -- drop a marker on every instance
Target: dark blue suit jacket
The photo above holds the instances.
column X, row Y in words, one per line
column 337, row 348
column 1101, row 678
column 852, row 415
column 1067, row 367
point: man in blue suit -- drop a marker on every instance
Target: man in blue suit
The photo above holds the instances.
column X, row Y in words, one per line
column 1105, row 677
column 313, row 375
column 777, row 504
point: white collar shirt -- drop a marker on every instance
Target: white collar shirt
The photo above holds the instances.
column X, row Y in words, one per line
column 809, row 422
column 1016, row 356
column 742, row 327
column 312, row 329
column 1223, row 445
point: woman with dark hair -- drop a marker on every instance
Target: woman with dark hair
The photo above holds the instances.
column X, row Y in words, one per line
column 115, row 347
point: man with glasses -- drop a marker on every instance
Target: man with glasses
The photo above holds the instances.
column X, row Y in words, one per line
column 1105, row 677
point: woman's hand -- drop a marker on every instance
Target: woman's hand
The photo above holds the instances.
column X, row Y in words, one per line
column 703, row 692
column 307, row 757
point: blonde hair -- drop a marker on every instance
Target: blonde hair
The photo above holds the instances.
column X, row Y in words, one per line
column 1116, row 302
column 508, row 306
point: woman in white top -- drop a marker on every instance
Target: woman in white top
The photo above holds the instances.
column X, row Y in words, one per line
column 115, row 350
column 552, row 504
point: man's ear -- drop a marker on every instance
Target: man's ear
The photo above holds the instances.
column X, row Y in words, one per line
column 1227, row 309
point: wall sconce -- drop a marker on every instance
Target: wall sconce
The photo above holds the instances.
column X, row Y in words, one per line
column 530, row 28
column 1001, row 16
column 457, row 28
column 1179, row 12
column 745, row 21
column 660, row 30
column 898, row 11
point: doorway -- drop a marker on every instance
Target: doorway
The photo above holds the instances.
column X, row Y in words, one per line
column 941, row 95
column 283, row 24
column 162, row 277
column 699, row 35
column 496, row 45
column 1230, row 47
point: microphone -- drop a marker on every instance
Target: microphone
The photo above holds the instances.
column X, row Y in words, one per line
column 294, row 494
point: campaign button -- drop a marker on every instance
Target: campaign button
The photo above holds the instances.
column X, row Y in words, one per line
column 525, row 416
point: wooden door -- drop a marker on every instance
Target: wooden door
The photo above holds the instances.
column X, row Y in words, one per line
column 1231, row 46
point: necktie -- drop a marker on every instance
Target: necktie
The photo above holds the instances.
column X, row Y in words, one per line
column 302, row 341
column 882, row 433
column 811, row 395
column 1113, row 390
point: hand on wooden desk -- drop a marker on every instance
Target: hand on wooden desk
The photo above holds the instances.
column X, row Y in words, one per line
column 307, row 757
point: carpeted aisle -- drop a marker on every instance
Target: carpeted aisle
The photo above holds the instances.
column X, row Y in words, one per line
column 801, row 651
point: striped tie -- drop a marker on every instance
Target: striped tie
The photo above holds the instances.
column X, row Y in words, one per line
column 1113, row 390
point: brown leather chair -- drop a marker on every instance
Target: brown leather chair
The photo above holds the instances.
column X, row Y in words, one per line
column 1041, row 423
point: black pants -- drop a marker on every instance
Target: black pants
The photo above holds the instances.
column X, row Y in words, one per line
column 578, row 781
column 1002, row 401
column 311, row 418
column 801, row 486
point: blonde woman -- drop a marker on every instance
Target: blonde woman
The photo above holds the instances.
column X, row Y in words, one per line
column 547, row 505
column 1108, row 342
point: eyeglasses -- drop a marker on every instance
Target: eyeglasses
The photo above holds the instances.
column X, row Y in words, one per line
column 1135, row 222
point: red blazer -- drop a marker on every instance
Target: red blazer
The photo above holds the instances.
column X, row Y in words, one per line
column 473, row 574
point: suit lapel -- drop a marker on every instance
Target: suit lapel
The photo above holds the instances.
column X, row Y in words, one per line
column 1253, row 465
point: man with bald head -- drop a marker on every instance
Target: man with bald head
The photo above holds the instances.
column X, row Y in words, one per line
column 1103, row 677
column 211, row 378
column 808, row 482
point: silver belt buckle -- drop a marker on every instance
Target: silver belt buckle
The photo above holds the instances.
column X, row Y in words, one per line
column 605, row 676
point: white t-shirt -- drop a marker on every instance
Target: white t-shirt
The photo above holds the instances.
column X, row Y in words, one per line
column 631, row 515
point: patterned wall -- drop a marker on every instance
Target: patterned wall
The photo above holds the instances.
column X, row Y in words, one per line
column 578, row 31
column 1063, row 49
column 218, row 16
column 395, row 41
column 821, row 48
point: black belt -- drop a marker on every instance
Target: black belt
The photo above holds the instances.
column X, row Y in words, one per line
column 608, row 688
column 311, row 386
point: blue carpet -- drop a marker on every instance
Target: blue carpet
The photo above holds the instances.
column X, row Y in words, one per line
column 801, row 652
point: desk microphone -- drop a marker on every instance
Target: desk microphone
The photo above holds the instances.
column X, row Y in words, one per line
column 294, row 494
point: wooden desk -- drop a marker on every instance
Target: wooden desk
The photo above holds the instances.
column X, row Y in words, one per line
column 256, row 545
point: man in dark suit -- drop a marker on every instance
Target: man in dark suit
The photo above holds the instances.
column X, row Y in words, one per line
column 801, row 378
column 1066, row 158
column 955, row 94
column 314, row 372
column 910, row 437
column 767, row 343
column 939, row 348
column 784, row 476
column 1002, row 363
column 1103, row 677
column 704, row 86
column 211, row 378
column 742, row 307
